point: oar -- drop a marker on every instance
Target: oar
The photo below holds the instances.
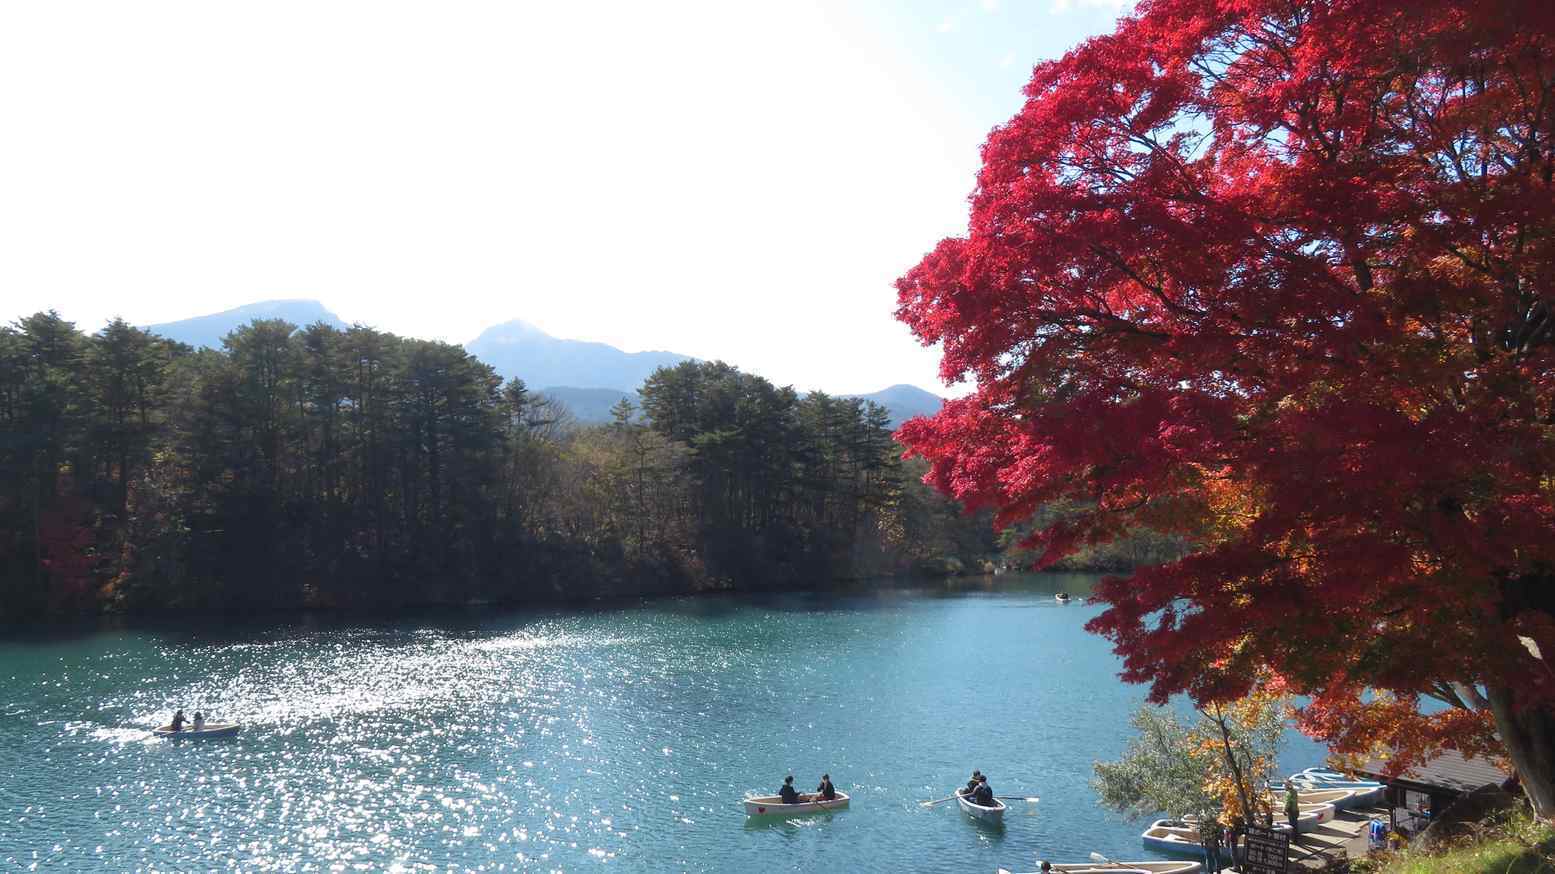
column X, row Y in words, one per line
column 937, row 801
column 1028, row 798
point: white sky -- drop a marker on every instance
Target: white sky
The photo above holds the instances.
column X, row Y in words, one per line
column 725, row 180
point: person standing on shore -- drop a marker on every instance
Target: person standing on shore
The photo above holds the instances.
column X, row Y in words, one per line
column 1210, row 832
column 1292, row 807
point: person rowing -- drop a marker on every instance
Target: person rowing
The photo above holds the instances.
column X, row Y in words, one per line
column 983, row 794
column 178, row 720
column 826, row 791
column 788, row 793
column 971, row 785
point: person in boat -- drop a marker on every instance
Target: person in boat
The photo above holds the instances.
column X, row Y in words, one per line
column 178, row 720
column 1046, row 866
column 826, row 790
column 983, row 795
column 199, row 721
column 971, row 785
column 788, row 793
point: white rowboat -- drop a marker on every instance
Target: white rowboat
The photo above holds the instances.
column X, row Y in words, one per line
column 1174, row 837
column 1175, row 867
column 991, row 815
column 772, row 805
column 1308, row 816
column 211, row 729
column 1363, row 793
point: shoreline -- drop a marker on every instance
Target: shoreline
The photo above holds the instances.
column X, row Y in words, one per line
column 21, row 629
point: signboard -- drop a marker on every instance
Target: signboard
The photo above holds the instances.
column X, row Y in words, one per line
column 1266, row 852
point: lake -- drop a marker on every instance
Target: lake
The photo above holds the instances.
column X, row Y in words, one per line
column 619, row 738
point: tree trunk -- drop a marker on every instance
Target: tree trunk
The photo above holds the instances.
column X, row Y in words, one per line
column 1528, row 732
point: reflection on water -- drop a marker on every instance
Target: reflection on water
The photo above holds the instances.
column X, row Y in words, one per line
column 571, row 740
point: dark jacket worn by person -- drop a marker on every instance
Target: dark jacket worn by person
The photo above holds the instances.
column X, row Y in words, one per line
column 789, row 794
column 983, row 795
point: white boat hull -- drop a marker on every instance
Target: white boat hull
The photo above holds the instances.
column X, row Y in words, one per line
column 1176, row 838
column 990, row 815
column 772, row 805
column 1364, row 793
column 1174, row 867
column 214, row 729
column 1308, row 817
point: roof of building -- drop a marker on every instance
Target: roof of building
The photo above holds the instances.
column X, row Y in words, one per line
column 1450, row 770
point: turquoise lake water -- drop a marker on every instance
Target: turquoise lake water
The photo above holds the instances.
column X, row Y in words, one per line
column 574, row 740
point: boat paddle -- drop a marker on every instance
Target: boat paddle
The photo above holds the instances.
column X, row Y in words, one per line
column 937, row 801
column 1027, row 798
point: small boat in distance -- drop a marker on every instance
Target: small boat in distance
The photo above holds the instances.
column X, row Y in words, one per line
column 992, row 815
column 1110, row 867
column 211, row 729
column 772, row 805
column 1062, row 598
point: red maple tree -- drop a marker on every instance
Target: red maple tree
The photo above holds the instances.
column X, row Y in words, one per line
column 1280, row 275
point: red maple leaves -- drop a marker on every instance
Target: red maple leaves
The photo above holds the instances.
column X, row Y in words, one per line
column 1279, row 276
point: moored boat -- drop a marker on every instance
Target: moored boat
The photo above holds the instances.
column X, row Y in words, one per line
column 1178, row 866
column 772, row 805
column 1308, row 816
column 992, row 815
column 1062, row 598
column 1173, row 837
column 211, row 729
column 1367, row 792
column 1363, row 793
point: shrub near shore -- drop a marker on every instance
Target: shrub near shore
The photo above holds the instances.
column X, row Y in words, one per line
column 1510, row 843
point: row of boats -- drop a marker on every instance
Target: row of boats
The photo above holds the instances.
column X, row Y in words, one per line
column 772, row 805
column 1320, row 794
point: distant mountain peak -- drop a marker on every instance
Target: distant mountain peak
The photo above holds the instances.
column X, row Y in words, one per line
column 515, row 329
column 520, row 349
column 209, row 330
column 904, row 402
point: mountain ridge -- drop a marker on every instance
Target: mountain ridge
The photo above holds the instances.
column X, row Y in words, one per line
column 208, row 330
column 587, row 376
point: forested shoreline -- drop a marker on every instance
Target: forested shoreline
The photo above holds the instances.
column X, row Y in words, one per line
column 310, row 467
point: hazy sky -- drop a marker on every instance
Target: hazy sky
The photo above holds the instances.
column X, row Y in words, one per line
column 726, row 180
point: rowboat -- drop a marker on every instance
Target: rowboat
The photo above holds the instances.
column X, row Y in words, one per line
column 1367, row 792
column 992, row 815
column 1363, row 793
column 211, row 729
column 1062, row 597
column 1173, row 837
column 1173, row 867
column 1329, row 775
column 1308, row 816
column 1307, row 799
column 772, row 805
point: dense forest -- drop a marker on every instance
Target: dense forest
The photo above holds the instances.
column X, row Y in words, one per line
column 354, row 468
